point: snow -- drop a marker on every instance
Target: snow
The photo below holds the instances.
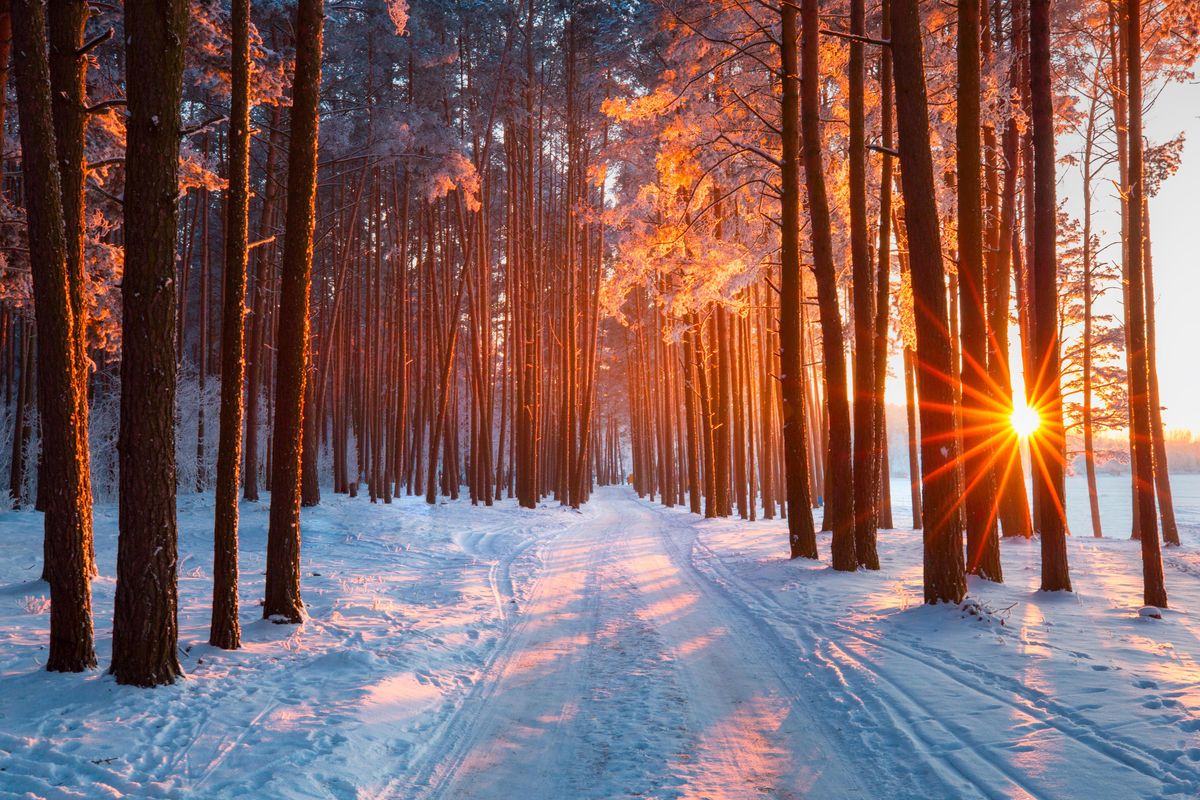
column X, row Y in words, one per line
column 626, row 650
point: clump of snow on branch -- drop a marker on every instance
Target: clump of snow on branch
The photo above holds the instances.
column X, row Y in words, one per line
column 398, row 13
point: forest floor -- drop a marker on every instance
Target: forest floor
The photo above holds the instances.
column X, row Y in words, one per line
column 622, row 651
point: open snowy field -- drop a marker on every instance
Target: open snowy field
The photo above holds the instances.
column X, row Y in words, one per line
column 624, row 651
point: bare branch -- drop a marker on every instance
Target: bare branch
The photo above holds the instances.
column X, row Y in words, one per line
column 93, row 43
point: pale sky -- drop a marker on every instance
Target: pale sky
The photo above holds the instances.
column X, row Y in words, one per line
column 1175, row 236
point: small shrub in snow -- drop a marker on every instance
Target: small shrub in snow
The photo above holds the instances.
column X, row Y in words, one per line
column 973, row 607
column 36, row 605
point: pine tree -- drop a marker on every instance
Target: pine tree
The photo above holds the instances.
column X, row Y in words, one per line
column 64, row 454
column 1049, row 444
column 225, row 631
column 1154, row 588
column 839, row 502
column 802, row 538
column 945, row 579
column 145, row 630
column 982, row 426
column 283, row 601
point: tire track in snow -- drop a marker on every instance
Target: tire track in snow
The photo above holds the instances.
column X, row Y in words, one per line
column 628, row 675
column 1031, row 703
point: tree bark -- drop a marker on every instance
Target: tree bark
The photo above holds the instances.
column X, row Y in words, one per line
column 883, row 272
column 145, row 631
column 945, row 580
column 282, row 600
column 69, row 93
column 1162, row 474
column 68, row 505
column 225, row 632
column 839, row 504
column 1154, row 588
column 1048, row 445
column 801, row 536
column 256, row 331
column 866, row 448
column 982, row 426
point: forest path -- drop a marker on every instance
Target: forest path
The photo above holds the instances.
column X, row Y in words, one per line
column 632, row 674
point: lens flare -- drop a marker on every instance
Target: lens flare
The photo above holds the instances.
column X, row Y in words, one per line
column 1025, row 420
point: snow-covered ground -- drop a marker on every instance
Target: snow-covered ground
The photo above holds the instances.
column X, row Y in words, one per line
column 623, row 651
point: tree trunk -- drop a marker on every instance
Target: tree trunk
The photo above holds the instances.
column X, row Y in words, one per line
column 1014, row 507
column 256, row 333
column 1089, row 449
column 1048, row 445
column 69, row 92
column 1162, row 476
column 225, row 631
column 68, row 506
column 282, row 601
column 982, row 427
column 145, row 631
column 883, row 273
column 801, row 536
column 945, row 580
column 914, row 460
column 866, row 449
column 839, row 504
column 21, row 431
column 1154, row 588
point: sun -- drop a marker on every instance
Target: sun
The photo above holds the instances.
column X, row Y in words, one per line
column 1024, row 420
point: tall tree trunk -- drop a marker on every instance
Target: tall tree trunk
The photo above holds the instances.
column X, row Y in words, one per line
column 282, row 601
column 945, row 580
column 883, row 272
column 866, row 448
column 1154, row 588
column 1049, row 444
column 839, row 504
column 1014, row 508
column 20, row 435
column 310, row 488
column 145, row 631
column 69, row 93
column 202, row 343
column 1162, row 476
column 1089, row 448
column 255, row 353
column 1120, row 105
column 914, row 460
column 225, row 631
column 982, row 426
column 64, row 458
column 801, row 536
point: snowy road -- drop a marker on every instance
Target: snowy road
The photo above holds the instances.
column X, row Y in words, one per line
column 455, row 652
column 632, row 674
column 654, row 659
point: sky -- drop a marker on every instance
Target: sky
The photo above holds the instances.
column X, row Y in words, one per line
column 1175, row 237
